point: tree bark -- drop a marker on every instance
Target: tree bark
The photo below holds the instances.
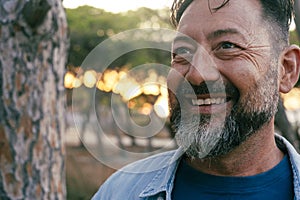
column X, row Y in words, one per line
column 33, row 53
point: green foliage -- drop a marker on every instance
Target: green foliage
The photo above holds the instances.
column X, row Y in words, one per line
column 294, row 39
column 90, row 26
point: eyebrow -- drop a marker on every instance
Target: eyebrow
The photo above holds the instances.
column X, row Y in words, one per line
column 222, row 32
column 211, row 36
column 184, row 38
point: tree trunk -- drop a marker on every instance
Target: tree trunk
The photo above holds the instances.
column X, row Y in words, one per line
column 33, row 53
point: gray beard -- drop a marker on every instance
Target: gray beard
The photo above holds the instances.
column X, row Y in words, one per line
column 203, row 137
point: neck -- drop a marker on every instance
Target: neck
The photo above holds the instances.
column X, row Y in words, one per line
column 257, row 154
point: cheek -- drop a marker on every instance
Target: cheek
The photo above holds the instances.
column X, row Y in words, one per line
column 175, row 78
column 172, row 99
column 244, row 73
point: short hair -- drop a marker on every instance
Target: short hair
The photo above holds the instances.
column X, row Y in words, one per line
column 277, row 12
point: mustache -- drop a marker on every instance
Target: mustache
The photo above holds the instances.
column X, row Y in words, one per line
column 208, row 88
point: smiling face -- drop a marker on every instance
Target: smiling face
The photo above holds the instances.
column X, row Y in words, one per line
column 223, row 83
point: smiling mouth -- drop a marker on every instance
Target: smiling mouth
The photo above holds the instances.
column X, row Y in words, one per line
column 208, row 97
column 208, row 101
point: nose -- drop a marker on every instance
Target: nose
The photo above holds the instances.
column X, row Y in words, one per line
column 202, row 68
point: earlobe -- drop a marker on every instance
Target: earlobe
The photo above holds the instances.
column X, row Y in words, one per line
column 290, row 67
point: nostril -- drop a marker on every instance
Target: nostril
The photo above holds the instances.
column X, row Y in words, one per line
column 198, row 75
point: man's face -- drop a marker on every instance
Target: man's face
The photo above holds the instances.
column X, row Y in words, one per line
column 223, row 83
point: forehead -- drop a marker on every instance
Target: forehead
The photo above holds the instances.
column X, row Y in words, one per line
column 199, row 16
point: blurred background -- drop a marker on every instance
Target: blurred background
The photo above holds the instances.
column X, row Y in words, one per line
column 91, row 24
column 61, row 115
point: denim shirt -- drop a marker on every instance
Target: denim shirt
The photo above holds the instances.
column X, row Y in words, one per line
column 153, row 177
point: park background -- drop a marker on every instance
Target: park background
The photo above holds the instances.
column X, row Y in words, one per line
column 87, row 27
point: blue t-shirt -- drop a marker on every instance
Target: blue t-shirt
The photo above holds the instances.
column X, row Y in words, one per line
column 276, row 183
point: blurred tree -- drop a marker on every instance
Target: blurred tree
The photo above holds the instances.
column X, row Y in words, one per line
column 297, row 16
column 285, row 128
column 281, row 121
column 297, row 22
column 90, row 26
column 33, row 46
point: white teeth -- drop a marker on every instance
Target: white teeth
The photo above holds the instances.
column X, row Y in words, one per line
column 208, row 101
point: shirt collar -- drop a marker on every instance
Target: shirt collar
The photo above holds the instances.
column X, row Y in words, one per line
column 295, row 162
column 163, row 180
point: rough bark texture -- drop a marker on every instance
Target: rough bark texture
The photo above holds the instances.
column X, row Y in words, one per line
column 33, row 53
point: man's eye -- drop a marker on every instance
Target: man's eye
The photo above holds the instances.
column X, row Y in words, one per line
column 227, row 50
column 182, row 51
column 228, row 45
column 182, row 55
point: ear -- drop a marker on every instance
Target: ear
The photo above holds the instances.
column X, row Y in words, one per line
column 290, row 67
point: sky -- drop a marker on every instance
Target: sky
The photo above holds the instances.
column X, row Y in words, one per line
column 116, row 6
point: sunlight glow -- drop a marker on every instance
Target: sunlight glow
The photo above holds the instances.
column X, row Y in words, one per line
column 77, row 82
column 129, row 89
column 69, row 79
column 89, row 78
column 146, row 109
column 161, row 107
column 293, row 25
column 151, row 89
column 120, row 82
column 292, row 99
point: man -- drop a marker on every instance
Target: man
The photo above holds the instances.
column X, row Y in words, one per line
column 230, row 60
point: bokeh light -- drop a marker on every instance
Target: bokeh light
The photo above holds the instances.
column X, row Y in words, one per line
column 90, row 78
column 291, row 100
column 128, row 87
